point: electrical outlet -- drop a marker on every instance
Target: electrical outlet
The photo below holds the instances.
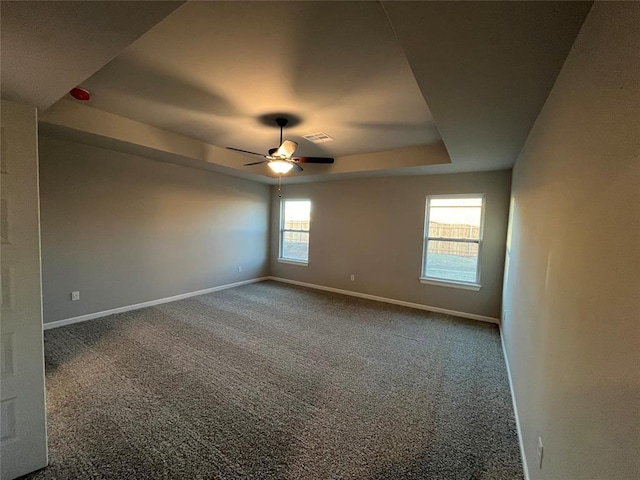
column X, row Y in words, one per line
column 540, row 452
column 75, row 296
column 239, row 268
column 353, row 278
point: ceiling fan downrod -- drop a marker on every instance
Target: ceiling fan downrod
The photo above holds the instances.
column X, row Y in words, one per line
column 281, row 122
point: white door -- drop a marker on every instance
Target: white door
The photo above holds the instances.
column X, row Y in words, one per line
column 23, row 435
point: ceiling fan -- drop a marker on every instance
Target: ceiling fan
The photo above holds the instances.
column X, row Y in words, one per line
column 281, row 159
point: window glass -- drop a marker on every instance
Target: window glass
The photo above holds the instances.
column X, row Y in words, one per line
column 294, row 230
column 453, row 237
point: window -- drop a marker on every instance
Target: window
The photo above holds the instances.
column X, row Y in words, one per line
column 453, row 240
column 295, row 217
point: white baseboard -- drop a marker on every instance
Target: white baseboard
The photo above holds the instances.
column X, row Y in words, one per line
column 127, row 308
column 419, row 306
column 151, row 303
column 525, row 467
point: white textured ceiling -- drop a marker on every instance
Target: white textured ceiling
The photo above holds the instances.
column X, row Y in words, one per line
column 486, row 68
column 49, row 47
column 212, row 69
column 460, row 83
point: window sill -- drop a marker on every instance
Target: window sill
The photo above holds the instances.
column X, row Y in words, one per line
column 293, row 262
column 449, row 283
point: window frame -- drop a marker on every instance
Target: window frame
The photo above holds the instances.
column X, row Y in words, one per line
column 475, row 286
column 282, row 231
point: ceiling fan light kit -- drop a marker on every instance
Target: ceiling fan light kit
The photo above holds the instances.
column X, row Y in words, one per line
column 281, row 160
column 281, row 167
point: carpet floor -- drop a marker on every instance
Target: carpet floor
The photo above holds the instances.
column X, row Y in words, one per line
column 273, row 381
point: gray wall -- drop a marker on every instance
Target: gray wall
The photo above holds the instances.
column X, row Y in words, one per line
column 572, row 291
column 374, row 227
column 123, row 229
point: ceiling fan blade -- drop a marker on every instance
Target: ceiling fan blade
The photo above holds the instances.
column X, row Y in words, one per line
column 297, row 167
column 313, row 160
column 255, row 163
column 245, row 151
column 286, row 149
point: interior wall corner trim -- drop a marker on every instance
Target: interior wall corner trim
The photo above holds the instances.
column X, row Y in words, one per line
column 151, row 303
column 393, row 301
column 525, row 467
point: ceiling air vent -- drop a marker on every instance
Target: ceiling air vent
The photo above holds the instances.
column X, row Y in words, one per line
column 319, row 137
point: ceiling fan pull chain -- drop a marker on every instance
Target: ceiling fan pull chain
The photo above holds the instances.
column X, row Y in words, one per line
column 279, row 185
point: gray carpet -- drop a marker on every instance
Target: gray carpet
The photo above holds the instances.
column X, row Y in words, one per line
column 273, row 381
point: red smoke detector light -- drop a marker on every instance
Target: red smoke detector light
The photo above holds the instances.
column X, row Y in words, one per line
column 80, row 93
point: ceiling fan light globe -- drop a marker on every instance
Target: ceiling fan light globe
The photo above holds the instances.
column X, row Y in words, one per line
column 280, row 166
